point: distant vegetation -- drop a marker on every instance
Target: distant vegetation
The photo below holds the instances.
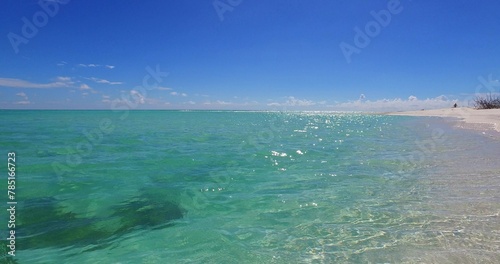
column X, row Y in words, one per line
column 489, row 102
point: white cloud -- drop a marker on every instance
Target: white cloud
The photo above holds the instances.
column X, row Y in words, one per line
column 223, row 102
column 396, row 104
column 60, row 82
column 97, row 80
column 163, row 88
column 231, row 105
column 84, row 87
column 178, row 94
column 64, row 79
column 87, row 65
column 365, row 105
column 24, row 101
column 138, row 96
column 217, row 103
column 292, row 101
column 252, row 103
column 92, row 65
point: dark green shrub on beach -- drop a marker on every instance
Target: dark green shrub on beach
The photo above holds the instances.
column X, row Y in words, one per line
column 489, row 102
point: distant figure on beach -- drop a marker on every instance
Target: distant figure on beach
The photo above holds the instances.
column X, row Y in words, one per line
column 455, row 105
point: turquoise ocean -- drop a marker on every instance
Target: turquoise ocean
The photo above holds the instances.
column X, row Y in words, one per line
column 248, row 187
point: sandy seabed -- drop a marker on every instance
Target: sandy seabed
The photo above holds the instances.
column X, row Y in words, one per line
column 465, row 185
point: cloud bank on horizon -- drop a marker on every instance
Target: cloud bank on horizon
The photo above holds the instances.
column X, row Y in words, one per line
column 239, row 55
column 74, row 86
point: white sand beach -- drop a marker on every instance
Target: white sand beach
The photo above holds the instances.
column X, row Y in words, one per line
column 479, row 119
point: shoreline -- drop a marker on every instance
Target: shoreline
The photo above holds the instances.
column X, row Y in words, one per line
column 469, row 118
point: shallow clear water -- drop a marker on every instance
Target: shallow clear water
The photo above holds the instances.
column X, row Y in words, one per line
column 250, row 187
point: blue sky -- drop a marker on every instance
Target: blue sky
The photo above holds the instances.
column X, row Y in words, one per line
column 252, row 55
